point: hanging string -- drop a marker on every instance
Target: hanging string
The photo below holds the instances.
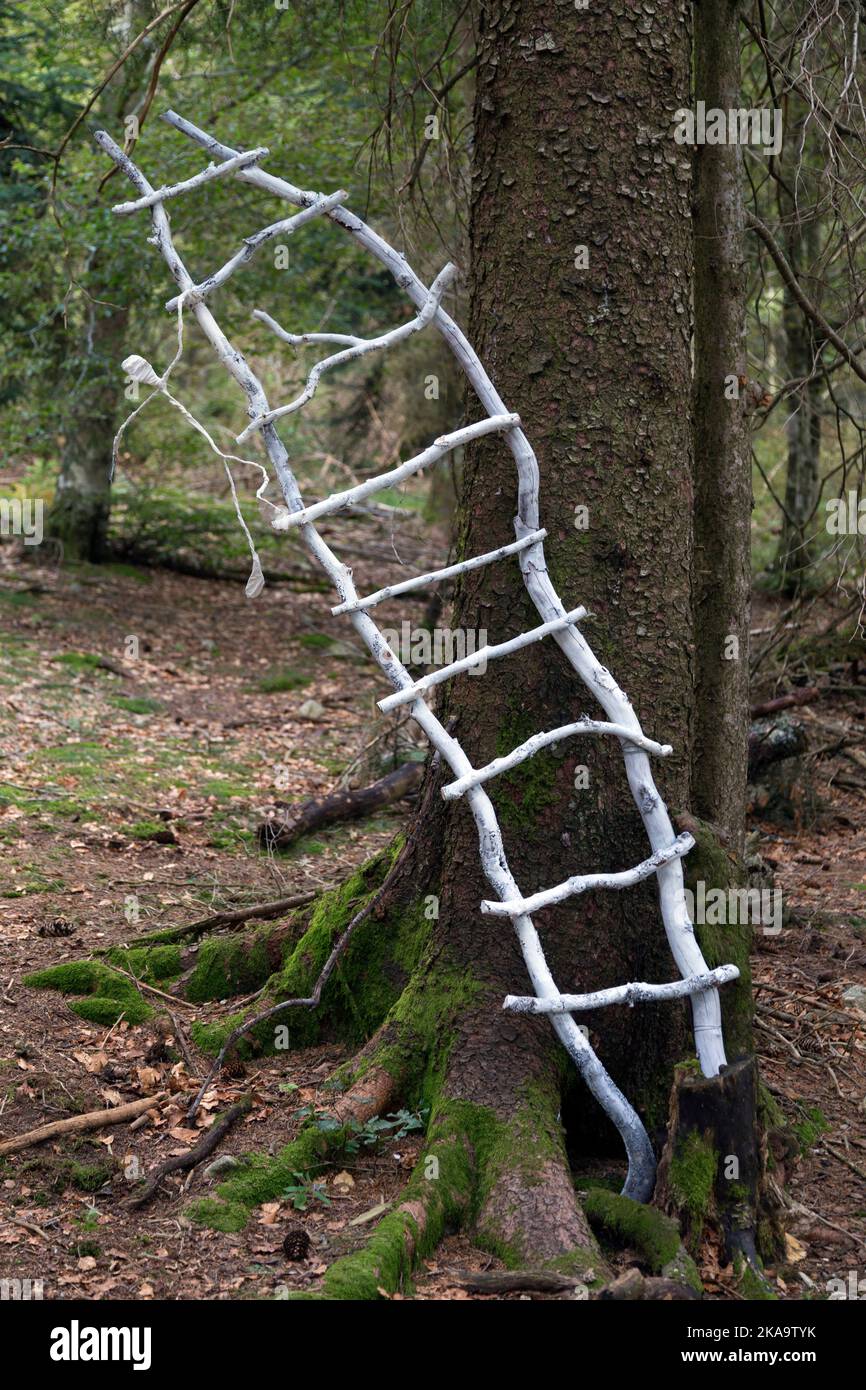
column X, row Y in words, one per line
column 140, row 370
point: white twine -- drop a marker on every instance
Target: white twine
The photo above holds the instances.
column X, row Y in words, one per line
column 139, row 369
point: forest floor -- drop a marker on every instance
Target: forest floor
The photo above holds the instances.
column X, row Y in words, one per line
column 197, row 736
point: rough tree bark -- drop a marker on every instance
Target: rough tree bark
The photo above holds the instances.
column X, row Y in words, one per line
column 803, row 478
column 723, row 491
column 573, row 150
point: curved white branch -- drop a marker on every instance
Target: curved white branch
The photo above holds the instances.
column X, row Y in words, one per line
column 301, row 339
column 582, row 883
column 445, row 444
column 213, row 171
column 285, row 227
column 538, row 741
column 484, row 654
column 632, row 994
column 383, row 341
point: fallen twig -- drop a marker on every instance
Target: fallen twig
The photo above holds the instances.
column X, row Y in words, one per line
column 796, row 697
column 230, row 917
column 202, row 1149
column 340, row 806
column 94, row 1119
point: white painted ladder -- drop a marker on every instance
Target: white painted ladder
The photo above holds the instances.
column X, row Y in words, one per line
column 667, row 850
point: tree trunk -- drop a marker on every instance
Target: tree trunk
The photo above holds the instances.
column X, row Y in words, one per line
column 78, row 517
column 723, row 491
column 803, row 479
column 573, row 150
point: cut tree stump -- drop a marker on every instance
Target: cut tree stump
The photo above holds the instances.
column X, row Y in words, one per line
column 711, row 1170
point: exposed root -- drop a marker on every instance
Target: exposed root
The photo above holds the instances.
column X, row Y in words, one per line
column 655, row 1236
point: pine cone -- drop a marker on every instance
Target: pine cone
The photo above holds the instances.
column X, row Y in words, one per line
column 296, row 1245
column 233, row 1068
column 58, row 926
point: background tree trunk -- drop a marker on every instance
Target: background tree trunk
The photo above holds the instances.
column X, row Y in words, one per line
column 723, row 490
column 79, row 514
column 803, row 478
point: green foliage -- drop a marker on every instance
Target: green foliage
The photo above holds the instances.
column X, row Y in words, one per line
column 356, row 1136
column 305, row 1190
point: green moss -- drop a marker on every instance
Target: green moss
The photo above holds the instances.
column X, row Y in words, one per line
column 315, row 640
column 108, row 995
column 219, row 1216
column 144, row 829
column 80, row 661
column 148, row 963
column 230, row 965
column 373, row 971
column 582, row 1262
column 138, row 704
column 810, row 1127
column 523, row 794
column 211, row 1036
column 224, row 789
column 443, row 1190
column 90, row 1177
column 262, row 1178
column 692, row 1178
column 751, row 1282
column 655, row 1236
column 277, row 681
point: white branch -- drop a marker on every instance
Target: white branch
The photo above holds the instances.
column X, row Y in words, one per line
column 213, row 171
column 301, row 339
column 632, row 994
column 445, row 444
column 360, row 349
column 285, row 227
column 538, row 741
column 581, row 883
column 421, row 581
column 484, row 654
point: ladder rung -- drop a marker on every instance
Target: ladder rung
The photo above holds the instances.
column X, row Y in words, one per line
column 632, row 994
column 285, row 227
column 538, row 741
column 518, row 907
column 411, row 692
column 441, row 446
column 425, row 314
column 422, row 580
column 171, row 190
